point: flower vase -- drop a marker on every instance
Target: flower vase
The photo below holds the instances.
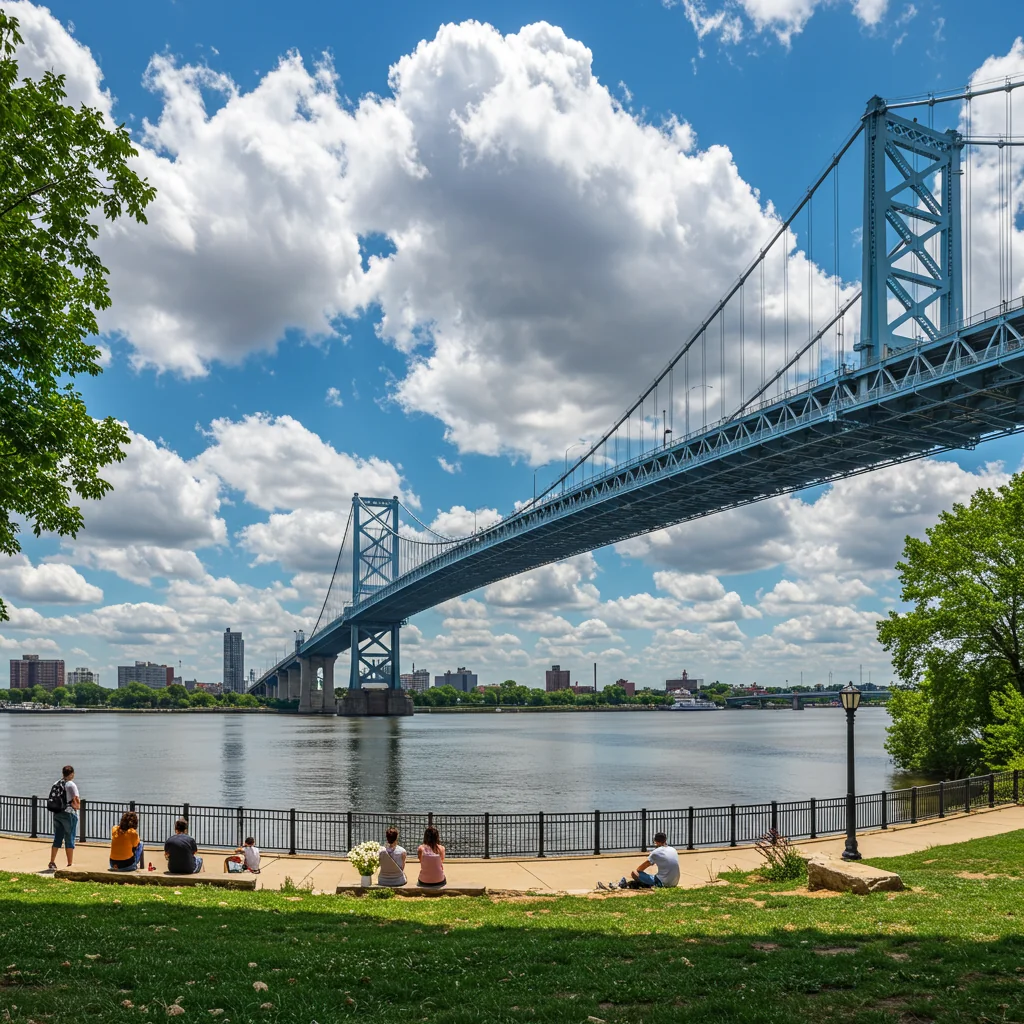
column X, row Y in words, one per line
column 366, row 880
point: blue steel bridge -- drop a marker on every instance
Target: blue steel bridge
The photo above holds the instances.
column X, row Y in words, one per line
column 815, row 378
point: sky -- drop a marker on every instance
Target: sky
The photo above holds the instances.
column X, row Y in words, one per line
column 420, row 249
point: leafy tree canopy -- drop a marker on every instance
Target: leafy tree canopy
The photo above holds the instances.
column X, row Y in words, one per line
column 59, row 168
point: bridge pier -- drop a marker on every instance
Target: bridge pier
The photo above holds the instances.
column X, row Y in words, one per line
column 330, row 703
column 306, row 681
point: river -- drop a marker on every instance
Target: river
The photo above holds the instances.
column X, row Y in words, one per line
column 448, row 762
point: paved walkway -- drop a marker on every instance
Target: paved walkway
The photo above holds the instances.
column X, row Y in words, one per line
column 552, row 874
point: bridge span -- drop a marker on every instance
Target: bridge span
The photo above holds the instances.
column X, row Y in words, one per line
column 926, row 378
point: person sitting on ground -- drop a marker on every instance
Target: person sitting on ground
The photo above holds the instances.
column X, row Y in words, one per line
column 392, row 861
column 431, row 857
column 663, row 857
column 250, row 855
column 126, row 849
column 180, row 852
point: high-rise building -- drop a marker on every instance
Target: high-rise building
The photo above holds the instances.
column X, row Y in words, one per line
column 462, row 679
column 418, row 679
column 684, row 682
column 556, row 679
column 83, row 675
column 30, row 671
column 148, row 673
column 234, row 662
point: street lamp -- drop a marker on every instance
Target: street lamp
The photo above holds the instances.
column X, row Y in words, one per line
column 850, row 696
column 565, row 467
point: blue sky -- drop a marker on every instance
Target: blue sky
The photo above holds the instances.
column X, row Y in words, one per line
column 343, row 286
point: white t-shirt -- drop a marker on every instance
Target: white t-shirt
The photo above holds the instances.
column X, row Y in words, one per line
column 666, row 860
column 251, row 854
column 71, row 791
column 397, row 854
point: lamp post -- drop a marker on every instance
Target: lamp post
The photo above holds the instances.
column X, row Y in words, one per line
column 850, row 696
column 565, row 467
column 686, row 402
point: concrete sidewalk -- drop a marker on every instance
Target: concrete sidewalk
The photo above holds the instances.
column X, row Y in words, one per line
column 547, row 874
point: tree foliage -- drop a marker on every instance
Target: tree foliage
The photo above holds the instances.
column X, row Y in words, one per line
column 960, row 643
column 60, row 168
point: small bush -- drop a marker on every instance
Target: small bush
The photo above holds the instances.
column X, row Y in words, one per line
column 289, row 887
column 783, row 863
column 382, row 893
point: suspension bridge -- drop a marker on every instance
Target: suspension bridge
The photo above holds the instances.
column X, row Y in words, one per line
column 816, row 376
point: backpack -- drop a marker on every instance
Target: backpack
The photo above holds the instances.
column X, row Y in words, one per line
column 57, row 801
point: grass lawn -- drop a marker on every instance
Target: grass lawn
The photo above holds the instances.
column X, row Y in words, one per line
column 951, row 949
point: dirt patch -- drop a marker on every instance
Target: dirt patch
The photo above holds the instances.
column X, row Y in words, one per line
column 978, row 874
column 766, row 947
column 743, row 899
column 898, row 956
column 834, row 950
column 816, row 894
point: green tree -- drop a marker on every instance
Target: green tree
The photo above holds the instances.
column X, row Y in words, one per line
column 202, row 699
column 1003, row 745
column 134, row 695
column 59, row 167
column 961, row 642
column 89, row 695
column 173, row 696
column 60, row 695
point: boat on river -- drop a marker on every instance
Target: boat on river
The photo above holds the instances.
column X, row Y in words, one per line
column 686, row 701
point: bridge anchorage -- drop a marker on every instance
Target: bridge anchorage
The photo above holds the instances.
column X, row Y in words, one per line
column 936, row 364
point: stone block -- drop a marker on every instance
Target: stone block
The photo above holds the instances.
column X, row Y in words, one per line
column 156, row 878
column 850, row 876
column 383, row 703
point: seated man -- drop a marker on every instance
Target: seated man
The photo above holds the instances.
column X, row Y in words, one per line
column 180, row 851
column 663, row 857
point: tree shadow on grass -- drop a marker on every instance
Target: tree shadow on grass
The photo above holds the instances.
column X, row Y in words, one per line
column 722, row 955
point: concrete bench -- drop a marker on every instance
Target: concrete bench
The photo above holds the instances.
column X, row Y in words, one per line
column 157, row 878
column 413, row 890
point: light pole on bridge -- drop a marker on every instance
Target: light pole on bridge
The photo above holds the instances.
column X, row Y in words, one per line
column 710, row 387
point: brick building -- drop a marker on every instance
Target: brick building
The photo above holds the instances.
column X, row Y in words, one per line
column 30, row 670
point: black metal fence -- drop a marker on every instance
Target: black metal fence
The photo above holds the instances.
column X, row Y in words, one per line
column 522, row 835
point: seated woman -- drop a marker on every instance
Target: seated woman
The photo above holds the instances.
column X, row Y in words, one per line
column 431, row 858
column 126, row 850
column 392, row 861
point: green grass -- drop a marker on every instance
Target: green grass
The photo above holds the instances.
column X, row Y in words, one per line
column 950, row 950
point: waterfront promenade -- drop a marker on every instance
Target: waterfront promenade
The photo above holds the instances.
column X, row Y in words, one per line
column 546, row 874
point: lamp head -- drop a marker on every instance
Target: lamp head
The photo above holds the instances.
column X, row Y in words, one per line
column 850, row 696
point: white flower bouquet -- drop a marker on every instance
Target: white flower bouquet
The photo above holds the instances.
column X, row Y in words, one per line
column 364, row 857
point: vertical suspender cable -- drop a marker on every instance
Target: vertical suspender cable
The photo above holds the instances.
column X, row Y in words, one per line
column 743, row 339
column 721, row 359
column 762, row 322
column 969, row 218
column 785, row 305
column 810, row 285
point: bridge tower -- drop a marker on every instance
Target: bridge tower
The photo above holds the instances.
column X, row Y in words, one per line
column 912, row 250
column 375, row 645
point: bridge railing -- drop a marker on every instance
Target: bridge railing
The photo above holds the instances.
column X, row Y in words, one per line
column 521, row 834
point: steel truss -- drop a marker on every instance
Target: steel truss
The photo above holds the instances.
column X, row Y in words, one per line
column 921, row 214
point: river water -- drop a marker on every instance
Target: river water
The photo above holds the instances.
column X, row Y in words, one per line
column 450, row 762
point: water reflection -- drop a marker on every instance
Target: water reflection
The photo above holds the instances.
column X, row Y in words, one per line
column 515, row 762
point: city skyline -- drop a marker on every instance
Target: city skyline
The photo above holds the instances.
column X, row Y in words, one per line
column 231, row 502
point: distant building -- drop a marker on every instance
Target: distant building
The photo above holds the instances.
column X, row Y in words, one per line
column 629, row 687
column 462, row 679
column 214, row 689
column 556, row 679
column 417, row 680
column 577, row 689
column 30, row 671
column 234, row 662
column 159, row 677
column 83, row 675
column 685, row 682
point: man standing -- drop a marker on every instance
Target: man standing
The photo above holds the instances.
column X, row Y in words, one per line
column 64, row 802
column 180, row 851
column 663, row 858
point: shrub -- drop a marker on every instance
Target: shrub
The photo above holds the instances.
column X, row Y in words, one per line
column 782, row 862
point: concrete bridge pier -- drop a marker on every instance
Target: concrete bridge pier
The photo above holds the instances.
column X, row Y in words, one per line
column 306, row 683
column 292, row 689
column 330, row 703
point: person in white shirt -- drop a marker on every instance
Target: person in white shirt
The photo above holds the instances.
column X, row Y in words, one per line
column 392, row 859
column 663, row 858
column 65, row 820
column 251, row 855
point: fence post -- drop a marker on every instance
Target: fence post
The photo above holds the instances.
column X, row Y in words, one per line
column 597, row 833
column 942, row 799
column 689, row 829
column 291, row 831
column 185, row 813
column 81, row 823
column 732, row 824
column 348, row 830
column 487, row 835
column 967, row 794
column 814, row 818
column 240, row 825
column 885, row 809
column 131, row 805
column 775, row 815
column 991, row 789
column 430, row 817
column 913, row 805
column 643, row 829
column 35, row 813
column 540, row 833
column 1016, row 785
